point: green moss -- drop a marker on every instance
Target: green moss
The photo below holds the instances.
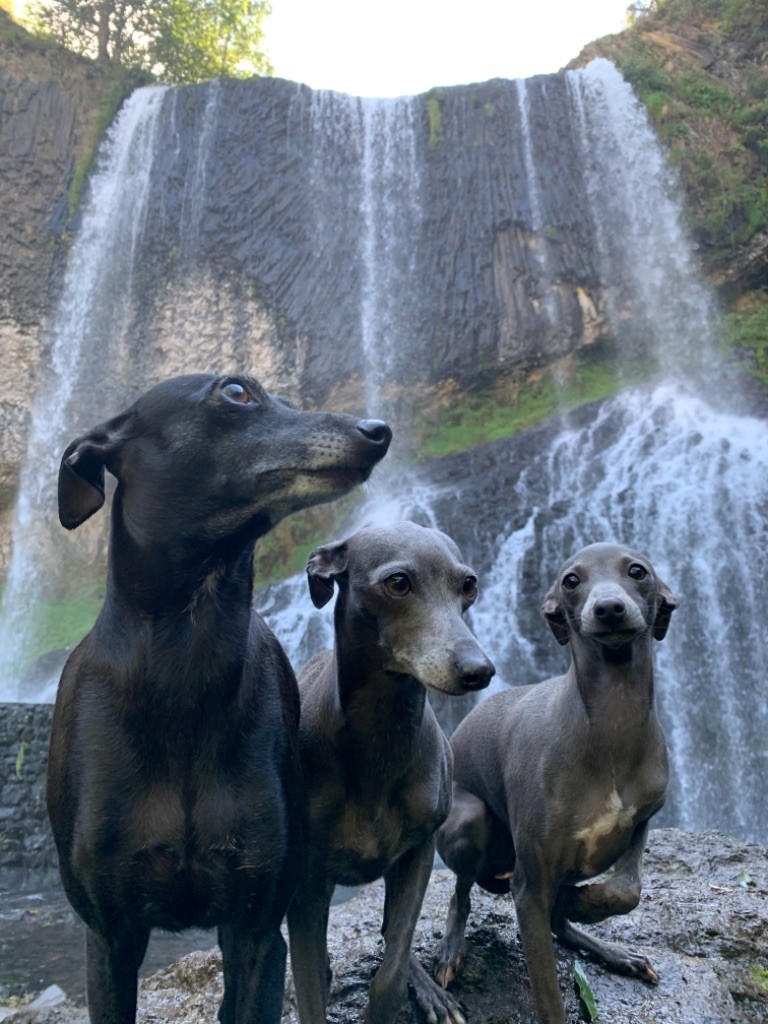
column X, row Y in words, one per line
column 435, row 115
column 60, row 624
column 759, row 975
column 485, row 417
column 121, row 82
column 283, row 552
column 747, row 330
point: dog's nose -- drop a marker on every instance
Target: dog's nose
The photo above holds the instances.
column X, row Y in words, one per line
column 610, row 611
column 475, row 672
column 376, row 431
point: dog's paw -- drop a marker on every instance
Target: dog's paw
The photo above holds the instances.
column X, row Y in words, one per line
column 437, row 1005
column 639, row 966
column 448, row 959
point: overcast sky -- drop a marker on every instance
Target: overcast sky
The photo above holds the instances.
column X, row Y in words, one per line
column 403, row 47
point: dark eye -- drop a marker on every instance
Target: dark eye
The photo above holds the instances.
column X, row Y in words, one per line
column 236, row 393
column 398, row 585
column 637, row 572
column 571, row 581
column 469, row 588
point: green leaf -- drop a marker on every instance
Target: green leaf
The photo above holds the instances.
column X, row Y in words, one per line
column 584, row 991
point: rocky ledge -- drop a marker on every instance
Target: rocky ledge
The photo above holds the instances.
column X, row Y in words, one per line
column 703, row 921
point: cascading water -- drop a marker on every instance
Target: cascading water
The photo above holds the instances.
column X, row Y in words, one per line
column 86, row 339
column 385, row 256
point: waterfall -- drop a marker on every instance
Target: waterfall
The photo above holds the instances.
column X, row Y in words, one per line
column 86, row 351
column 380, row 257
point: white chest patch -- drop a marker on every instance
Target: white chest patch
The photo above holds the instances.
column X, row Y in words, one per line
column 615, row 816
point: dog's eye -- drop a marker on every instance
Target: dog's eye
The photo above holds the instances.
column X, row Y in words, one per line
column 235, row 392
column 637, row 572
column 469, row 588
column 571, row 581
column 398, row 585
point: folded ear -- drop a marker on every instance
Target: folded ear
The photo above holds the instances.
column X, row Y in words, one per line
column 81, row 473
column 324, row 566
column 667, row 604
column 555, row 616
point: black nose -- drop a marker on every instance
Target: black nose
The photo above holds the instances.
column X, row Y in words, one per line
column 475, row 672
column 376, row 431
column 610, row 610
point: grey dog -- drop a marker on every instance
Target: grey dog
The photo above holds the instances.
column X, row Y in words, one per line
column 376, row 763
column 556, row 783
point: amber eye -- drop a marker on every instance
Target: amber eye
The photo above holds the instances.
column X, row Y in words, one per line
column 571, row 581
column 235, row 392
column 398, row 585
column 638, row 572
column 469, row 588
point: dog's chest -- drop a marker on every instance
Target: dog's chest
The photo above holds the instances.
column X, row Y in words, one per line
column 367, row 837
column 602, row 833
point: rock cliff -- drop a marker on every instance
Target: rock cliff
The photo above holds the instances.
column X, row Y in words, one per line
column 52, row 107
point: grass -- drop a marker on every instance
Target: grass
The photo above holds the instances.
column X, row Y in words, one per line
column 490, row 417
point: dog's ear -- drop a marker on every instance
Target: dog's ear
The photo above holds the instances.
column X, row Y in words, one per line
column 81, row 473
column 324, row 566
column 553, row 612
column 667, row 604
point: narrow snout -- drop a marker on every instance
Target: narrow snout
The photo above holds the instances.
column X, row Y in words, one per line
column 377, row 432
column 474, row 670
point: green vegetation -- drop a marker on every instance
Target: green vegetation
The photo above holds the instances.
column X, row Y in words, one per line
column 435, row 115
column 60, row 624
column 283, row 552
column 759, row 975
column 488, row 416
column 174, row 40
column 716, row 128
column 584, row 991
column 747, row 330
column 121, row 82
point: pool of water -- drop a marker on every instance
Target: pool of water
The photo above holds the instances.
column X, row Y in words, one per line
column 42, row 942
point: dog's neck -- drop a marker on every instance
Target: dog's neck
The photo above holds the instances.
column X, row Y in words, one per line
column 178, row 610
column 615, row 685
column 378, row 710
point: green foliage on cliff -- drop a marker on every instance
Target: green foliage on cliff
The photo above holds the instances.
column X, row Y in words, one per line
column 747, row 334
column 697, row 66
column 174, row 40
column 492, row 415
column 435, row 115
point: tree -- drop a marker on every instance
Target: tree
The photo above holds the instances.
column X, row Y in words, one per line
column 176, row 40
column 200, row 39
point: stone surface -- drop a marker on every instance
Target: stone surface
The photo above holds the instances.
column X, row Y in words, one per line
column 702, row 920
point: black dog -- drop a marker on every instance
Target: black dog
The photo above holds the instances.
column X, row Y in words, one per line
column 174, row 786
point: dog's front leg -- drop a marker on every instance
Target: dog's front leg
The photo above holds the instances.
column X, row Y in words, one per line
column 253, row 965
column 618, row 893
column 405, row 883
column 112, row 970
column 533, row 906
column 307, row 928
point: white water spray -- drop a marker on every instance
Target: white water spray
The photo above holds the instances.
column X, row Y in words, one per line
column 100, row 264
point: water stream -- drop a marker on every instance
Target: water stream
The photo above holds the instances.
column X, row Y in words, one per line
column 660, row 466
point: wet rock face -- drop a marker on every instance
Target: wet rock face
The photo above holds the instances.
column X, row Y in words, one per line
column 49, row 102
column 702, row 921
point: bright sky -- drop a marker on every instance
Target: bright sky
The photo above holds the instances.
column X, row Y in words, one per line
column 404, row 47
